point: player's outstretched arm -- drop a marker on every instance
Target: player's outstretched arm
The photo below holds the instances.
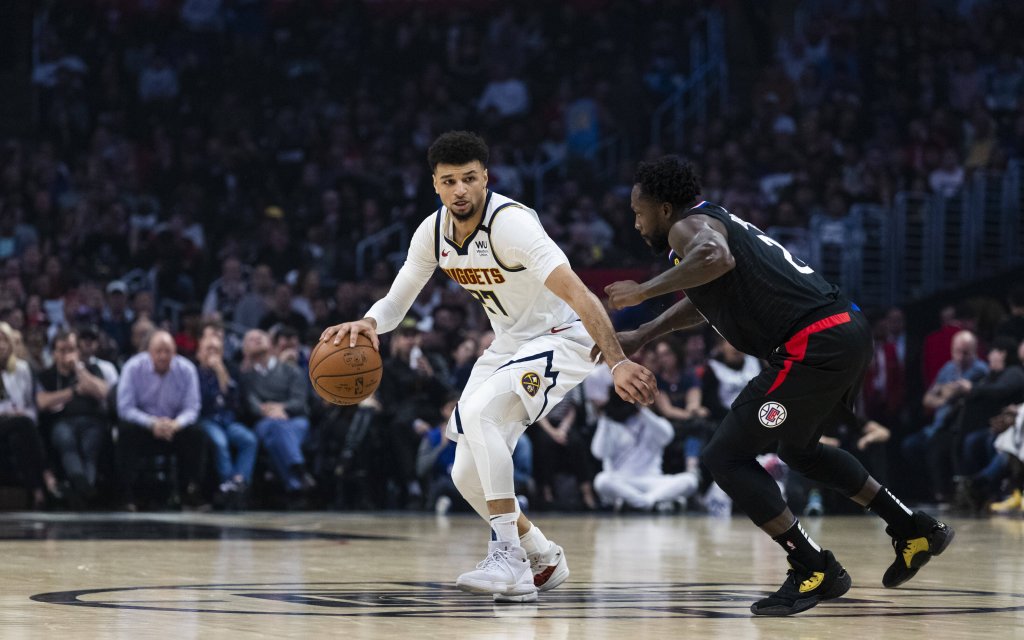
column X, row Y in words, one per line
column 705, row 256
column 633, row 382
column 681, row 315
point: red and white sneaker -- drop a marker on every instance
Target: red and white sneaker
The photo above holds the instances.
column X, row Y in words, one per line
column 549, row 568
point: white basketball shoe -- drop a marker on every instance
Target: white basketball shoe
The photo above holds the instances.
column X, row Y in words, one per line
column 549, row 570
column 504, row 572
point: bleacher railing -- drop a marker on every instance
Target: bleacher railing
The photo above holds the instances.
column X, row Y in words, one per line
column 390, row 243
column 924, row 243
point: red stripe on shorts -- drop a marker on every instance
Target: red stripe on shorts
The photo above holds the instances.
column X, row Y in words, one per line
column 796, row 346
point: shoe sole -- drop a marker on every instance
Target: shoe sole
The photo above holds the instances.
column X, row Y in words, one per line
column 922, row 559
column 526, row 597
column 495, row 588
column 839, row 588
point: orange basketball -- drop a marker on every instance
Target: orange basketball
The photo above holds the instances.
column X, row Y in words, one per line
column 345, row 375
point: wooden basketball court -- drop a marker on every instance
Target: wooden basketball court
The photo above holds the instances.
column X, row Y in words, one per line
column 380, row 576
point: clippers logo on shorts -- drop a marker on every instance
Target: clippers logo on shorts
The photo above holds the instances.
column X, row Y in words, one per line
column 531, row 382
column 772, row 414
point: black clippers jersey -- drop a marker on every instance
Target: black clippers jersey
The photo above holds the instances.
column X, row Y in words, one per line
column 757, row 305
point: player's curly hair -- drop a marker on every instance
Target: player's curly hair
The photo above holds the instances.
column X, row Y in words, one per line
column 457, row 147
column 668, row 179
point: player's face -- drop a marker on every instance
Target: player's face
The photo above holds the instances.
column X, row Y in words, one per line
column 462, row 188
column 651, row 219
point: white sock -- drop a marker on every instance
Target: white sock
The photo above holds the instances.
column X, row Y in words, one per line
column 533, row 541
column 504, row 525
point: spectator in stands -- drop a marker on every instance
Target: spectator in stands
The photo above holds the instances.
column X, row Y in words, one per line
column 629, row 442
column 19, row 436
column 282, row 312
column 681, row 403
column 72, row 396
column 88, row 348
column 561, row 446
column 117, row 317
column 411, row 395
column 983, row 400
column 1014, row 325
column 256, row 303
column 434, row 462
column 158, row 403
column 276, row 393
column 226, row 292
column 928, row 451
column 220, row 395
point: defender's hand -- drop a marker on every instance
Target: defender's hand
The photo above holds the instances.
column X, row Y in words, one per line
column 631, row 341
column 352, row 330
column 634, row 383
column 626, row 293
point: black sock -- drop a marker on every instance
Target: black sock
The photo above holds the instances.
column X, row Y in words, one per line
column 801, row 548
column 894, row 512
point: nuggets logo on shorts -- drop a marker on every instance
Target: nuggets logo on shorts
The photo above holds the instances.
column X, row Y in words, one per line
column 772, row 414
column 531, row 382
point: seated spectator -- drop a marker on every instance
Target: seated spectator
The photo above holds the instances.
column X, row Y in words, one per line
column 434, row 465
column 275, row 393
column 19, row 437
column 118, row 317
column 411, row 395
column 254, row 305
column 680, row 401
column 158, row 404
column 629, row 442
column 928, row 451
column 225, row 293
column 88, row 349
column 1009, row 425
column 73, row 397
column 282, row 312
column 219, row 419
column 561, row 447
column 984, row 400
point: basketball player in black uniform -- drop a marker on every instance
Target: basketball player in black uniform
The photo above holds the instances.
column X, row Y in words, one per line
column 817, row 344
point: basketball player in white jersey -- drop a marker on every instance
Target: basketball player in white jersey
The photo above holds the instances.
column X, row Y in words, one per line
column 545, row 322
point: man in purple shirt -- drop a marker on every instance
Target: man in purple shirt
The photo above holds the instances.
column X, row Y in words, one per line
column 158, row 404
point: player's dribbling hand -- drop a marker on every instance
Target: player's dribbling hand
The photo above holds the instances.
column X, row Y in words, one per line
column 352, row 330
column 634, row 383
column 626, row 293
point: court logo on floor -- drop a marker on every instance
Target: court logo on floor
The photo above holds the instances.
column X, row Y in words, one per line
column 573, row 600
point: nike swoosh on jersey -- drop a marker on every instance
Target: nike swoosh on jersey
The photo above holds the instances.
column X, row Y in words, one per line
column 444, row 254
column 561, row 329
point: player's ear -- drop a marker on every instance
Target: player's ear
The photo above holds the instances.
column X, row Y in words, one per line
column 484, row 176
column 666, row 209
column 433, row 180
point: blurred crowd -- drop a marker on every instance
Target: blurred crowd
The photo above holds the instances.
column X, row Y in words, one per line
column 201, row 171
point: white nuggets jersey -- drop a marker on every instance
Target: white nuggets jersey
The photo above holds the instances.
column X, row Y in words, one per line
column 503, row 264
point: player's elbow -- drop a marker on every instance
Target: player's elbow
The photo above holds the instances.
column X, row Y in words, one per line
column 716, row 257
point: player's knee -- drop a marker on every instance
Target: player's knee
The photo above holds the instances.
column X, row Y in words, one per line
column 602, row 482
column 800, row 458
column 466, row 480
column 718, row 460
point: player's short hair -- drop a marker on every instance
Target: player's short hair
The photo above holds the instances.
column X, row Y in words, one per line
column 668, row 179
column 457, row 147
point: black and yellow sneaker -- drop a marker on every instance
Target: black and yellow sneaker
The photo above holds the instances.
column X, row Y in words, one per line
column 804, row 588
column 931, row 538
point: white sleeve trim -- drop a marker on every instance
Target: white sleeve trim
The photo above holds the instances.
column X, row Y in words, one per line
column 419, row 266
